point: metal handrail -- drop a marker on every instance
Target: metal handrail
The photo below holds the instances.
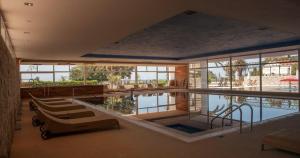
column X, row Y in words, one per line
column 211, row 122
column 251, row 108
column 241, row 116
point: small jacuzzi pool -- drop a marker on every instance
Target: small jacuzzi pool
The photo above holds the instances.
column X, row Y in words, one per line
column 185, row 128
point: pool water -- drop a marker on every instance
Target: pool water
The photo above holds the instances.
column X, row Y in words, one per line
column 191, row 113
column 195, row 104
column 263, row 108
column 185, row 128
column 139, row 104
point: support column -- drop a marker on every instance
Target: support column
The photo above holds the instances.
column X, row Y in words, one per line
column 136, row 75
column 230, row 72
column 299, row 71
column 207, row 84
column 203, row 74
column 205, row 102
column 260, row 73
column 260, row 109
column 156, row 76
column 53, row 72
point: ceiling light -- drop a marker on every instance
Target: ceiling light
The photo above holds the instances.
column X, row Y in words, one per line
column 263, row 28
column 29, row 4
column 190, row 12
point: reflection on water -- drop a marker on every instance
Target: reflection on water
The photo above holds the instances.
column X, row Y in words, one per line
column 122, row 104
column 139, row 104
column 197, row 104
column 263, row 108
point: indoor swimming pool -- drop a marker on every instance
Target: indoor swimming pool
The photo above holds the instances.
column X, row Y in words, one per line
column 196, row 104
column 188, row 115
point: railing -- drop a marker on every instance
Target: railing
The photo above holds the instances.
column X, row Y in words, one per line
column 251, row 113
column 211, row 123
column 241, row 115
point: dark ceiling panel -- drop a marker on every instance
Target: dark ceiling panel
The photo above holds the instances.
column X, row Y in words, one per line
column 197, row 34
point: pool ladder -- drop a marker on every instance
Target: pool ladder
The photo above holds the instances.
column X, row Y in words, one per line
column 236, row 107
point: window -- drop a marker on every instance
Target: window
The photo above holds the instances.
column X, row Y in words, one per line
column 92, row 74
column 198, row 75
column 42, row 77
column 280, row 72
column 28, row 68
column 37, row 73
column 162, row 68
column 162, row 78
column 62, row 76
column 219, row 73
column 151, row 68
column 245, row 73
column 111, row 75
column 61, row 68
column 147, row 77
column 141, row 68
column 270, row 72
column 155, row 75
column 171, row 76
column 192, row 80
column 172, row 68
column 50, row 75
column 45, row 68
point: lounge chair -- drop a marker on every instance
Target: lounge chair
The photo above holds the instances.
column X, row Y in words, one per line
column 49, row 101
column 53, row 125
column 57, row 102
column 56, row 108
column 53, row 102
column 69, row 114
column 287, row 139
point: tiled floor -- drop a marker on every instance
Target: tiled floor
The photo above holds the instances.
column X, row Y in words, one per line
column 137, row 142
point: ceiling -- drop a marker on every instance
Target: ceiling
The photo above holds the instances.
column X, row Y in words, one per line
column 191, row 34
column 67, row 30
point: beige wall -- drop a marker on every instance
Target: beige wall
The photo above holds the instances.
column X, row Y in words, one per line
column 9, row 98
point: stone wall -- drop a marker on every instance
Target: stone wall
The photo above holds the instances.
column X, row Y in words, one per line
column 9, row 98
